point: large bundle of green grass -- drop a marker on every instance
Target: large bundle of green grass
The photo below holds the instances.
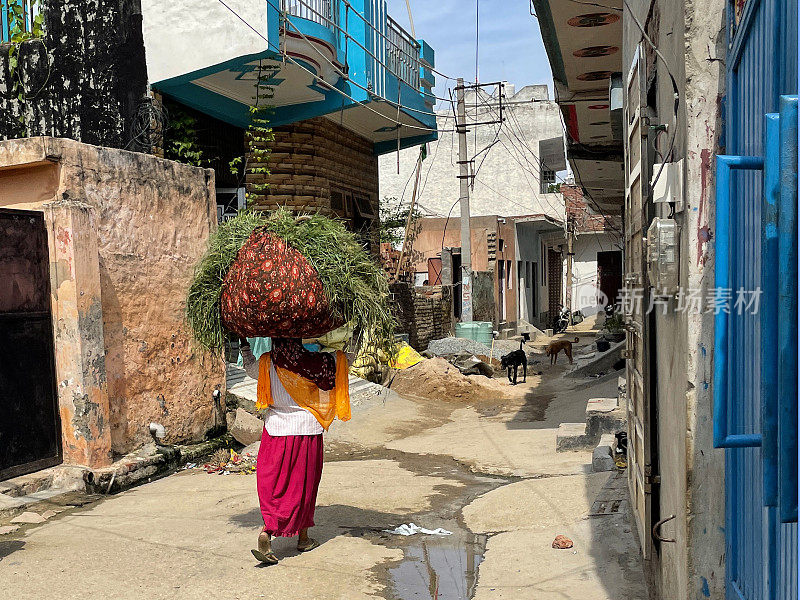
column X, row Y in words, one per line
column 355, row 287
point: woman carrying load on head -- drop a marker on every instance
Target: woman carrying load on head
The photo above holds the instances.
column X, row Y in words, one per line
column 303, row 392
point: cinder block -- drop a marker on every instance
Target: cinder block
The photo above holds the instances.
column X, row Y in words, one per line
column 603, row 454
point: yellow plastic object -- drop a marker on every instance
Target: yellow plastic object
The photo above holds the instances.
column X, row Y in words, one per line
column 406, row 357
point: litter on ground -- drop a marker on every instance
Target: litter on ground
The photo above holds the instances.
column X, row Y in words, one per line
column 412, row 529
column 225, row 462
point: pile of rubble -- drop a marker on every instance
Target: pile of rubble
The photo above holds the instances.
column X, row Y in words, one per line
column 437, row 379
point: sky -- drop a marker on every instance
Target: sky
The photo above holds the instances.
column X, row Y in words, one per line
column 510, row 46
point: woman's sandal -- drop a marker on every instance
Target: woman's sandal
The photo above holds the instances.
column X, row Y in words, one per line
column 263, row 555
column 309, row 545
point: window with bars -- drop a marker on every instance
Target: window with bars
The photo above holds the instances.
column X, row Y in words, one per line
column 547, row 179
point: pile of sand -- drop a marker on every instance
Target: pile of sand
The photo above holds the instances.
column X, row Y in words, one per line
column 437, row 379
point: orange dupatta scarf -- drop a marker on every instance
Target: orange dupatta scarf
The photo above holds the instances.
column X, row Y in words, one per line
column 325, row 406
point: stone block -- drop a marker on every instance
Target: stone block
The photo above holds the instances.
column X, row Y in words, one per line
column 246, row 428
column 603, row 454
column 603, row 415
column 572, row 436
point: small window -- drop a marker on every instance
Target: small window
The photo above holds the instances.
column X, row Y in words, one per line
column 510, row 279
column 547, row 179
column 364, row 207
column 337, row 200
column 500, row 245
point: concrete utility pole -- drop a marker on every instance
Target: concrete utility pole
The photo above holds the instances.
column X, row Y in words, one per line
column 570, row 254
column 466, row 245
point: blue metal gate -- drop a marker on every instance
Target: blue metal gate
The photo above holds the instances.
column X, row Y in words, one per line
column 755, row 362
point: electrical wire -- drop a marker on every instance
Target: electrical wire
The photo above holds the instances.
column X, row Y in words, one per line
column 348, row 6
column 675, row 90
column 345, row 76
column 533, row 167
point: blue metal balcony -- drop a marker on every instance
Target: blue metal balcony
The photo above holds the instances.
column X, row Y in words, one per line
column 318, row 57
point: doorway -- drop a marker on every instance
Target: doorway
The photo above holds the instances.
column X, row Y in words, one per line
column 609, row 274
column 30, row 427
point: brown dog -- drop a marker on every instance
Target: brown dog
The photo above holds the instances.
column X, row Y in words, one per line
column 556, row 346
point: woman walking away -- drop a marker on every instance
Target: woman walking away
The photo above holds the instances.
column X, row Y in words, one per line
column 303, row 392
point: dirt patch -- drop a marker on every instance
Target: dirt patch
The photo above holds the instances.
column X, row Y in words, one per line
column 437, row 379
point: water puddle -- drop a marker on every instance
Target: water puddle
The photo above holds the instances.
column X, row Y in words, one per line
column 438, row 568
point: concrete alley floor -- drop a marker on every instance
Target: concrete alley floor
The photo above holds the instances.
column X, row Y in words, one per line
column 489, row 473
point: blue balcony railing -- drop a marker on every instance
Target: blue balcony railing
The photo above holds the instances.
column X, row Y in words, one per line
column 18, row 16
column 402, row 53
column 391, row 44
column 323, row 12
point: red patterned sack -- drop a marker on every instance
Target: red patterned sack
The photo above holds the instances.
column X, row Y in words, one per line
column 271, row 290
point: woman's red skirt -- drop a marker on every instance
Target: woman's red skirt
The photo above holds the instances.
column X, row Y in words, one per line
column 287, row 474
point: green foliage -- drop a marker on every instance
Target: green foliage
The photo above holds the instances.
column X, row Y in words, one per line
column 182, row 144
column 21, row 29
column 614, row 323
column 393, row 219
column 354, row 283
column 259, row 136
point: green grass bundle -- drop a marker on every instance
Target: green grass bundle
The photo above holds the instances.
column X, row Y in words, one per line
column 353, row 282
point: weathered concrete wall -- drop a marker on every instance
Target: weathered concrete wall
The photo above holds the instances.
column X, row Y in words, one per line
column 508, row 180
column 433, row 236
column 152, row 220
column 78, row 333
column 484, row 298
column 84, row 80
column 691, row 36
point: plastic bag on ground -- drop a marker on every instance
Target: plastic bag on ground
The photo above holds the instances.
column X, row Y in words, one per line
column 406, row 357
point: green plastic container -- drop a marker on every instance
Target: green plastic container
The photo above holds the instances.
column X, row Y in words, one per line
column 480, row 331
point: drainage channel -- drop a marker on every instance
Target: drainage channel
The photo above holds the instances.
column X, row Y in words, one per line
column 441, row 568
column 434, row 567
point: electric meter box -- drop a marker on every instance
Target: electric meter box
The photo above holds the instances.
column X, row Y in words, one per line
column 668, row 188
column 662, row 256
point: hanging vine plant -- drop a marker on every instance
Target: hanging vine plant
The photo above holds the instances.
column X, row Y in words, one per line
column 23, row 25
column 258, row 137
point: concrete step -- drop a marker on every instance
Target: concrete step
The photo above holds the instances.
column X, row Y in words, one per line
column 604, row 415
column 572, row 436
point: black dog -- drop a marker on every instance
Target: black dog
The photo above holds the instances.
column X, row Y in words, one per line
column 515, row 360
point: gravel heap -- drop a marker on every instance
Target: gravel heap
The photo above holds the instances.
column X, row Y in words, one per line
column 452, row 346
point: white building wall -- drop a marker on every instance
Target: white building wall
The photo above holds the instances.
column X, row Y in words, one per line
column 181, row 36
column 585, row 284
column 507, row 178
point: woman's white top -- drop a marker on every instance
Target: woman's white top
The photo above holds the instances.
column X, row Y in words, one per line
column 284, row 417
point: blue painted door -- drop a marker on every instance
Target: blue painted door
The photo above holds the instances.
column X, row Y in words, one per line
column 755, row 391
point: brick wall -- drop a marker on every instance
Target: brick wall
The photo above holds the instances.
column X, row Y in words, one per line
column 585, row 217
column 319, row 166
column 424, row 313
